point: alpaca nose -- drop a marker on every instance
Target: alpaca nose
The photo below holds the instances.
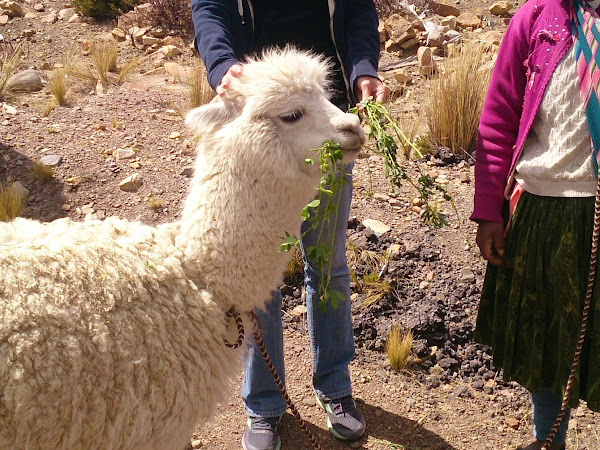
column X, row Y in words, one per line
column 349, row 124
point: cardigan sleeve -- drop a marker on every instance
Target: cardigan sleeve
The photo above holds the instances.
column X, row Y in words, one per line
column 501, row 117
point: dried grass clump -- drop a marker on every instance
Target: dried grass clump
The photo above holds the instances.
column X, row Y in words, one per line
column 456, row 97
column 200, row 92
column 104, row 58
column 173, row 15
column 293, row 274
column 370, row 284
column 42, row 172
column 11, row 203
column 10, row 62
column 57, row 82
column 154, row 202
column 127, row 69
column 398, row 346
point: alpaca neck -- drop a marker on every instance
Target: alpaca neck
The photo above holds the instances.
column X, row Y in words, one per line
column 232, row 225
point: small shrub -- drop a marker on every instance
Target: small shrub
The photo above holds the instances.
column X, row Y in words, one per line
column 200, row 92
column 455, row 99
column 104, row 58
column 58, row 86
column 101, row 9
column 11, row 203
column 398, row 346
column 10, row 62
column 173, row 15
column 42, row 172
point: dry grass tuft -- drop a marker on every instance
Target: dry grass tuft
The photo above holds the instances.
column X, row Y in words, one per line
column 127, row 69
column 371, row 264
column 48, row 108
column 11, row 203
column 42, row 172
column 104, row 58
column 154, row 202
column 456, row 97
column 398, row 346
column 10, row 62
column 57, row 82
column 293, row 274
column 200, row 92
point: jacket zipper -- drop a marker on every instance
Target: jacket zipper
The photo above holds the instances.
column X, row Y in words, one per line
column 331, row 4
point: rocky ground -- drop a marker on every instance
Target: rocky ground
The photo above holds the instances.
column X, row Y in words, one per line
column 121, row 149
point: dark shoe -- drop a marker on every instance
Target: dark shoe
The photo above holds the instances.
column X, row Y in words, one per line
column 343, row 419
column 261, row 434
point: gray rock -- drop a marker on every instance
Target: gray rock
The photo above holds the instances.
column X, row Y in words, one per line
column 123, row 153
column 466, row 275
column 187, row 171
column 26, row 81
column 51, row 160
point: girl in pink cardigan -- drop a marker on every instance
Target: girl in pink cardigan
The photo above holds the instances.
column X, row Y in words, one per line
column 535, row 181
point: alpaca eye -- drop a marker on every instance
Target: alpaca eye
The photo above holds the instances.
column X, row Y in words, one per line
column 292, row 117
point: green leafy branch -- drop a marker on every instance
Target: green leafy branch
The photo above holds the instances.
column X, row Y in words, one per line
column 321, row 214
column 384, row 130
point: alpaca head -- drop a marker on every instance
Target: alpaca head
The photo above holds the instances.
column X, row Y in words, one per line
column 280, row 103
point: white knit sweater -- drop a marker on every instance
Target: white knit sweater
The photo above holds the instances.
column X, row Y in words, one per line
column 556, row 160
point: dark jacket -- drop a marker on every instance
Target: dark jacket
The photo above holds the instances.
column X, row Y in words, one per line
column 225, row 34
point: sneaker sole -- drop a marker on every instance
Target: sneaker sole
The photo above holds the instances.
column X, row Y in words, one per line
column 276, row 448
column 330, row 427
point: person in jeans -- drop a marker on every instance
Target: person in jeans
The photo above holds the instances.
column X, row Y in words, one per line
column 345, row 31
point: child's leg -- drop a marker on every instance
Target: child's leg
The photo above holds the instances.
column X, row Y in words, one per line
column 545, row 409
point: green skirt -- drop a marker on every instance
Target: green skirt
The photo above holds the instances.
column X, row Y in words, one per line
column 530, row 310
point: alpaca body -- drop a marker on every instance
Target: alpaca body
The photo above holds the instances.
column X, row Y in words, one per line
column 111, row 332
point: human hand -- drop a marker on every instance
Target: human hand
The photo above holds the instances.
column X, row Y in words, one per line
column 367, row 86
column 490, row 239
column 233, row 72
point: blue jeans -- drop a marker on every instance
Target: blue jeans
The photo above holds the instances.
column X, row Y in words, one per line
column 545, row 409
column 330, row 331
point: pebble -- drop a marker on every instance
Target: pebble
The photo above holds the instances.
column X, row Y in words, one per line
column 51, row 160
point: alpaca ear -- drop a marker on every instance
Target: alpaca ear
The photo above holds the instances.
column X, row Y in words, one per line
column 209, row 116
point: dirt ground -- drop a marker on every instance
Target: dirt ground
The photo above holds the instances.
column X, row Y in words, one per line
column 453, row 400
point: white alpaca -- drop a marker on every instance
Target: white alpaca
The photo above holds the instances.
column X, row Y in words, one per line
column 111, row 331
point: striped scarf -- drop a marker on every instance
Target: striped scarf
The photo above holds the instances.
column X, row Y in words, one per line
column 586, row 39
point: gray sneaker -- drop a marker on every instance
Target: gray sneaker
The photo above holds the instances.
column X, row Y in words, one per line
column 261, row 434
column 343, row 419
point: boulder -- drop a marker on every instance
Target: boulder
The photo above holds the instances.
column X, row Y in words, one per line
column 399, row 29
column 468, row 20
column 500, row 8
column 443, row 9
column 26, row 81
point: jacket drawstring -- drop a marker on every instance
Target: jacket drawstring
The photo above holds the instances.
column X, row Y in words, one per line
column 240, row 9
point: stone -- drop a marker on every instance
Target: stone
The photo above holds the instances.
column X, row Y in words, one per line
column 435, row 39
column 66, row 13
column 378, row 227
column 512, row 423
column 466, row 275
column 51, row 160
column 409, row 43
column 30, row 16
column 178, row 71
column 172, row 40
column 175, row 135
column 491, row 37
column 138, row 33
column 443, row 9
column 50, row 18
column 118, row 34
column 399, row 29
column 21, row 191
column 132, row 183
column 452, row 36
column 464, row 177
column 76, row 18
column 87, row 209
column 86, row 46
column 400, row 75
column 392, row 47
column 299, row 310
column 159, row 33
column 4, row 19
column 197, row 443
column 169, row 51
column 12, row 9
column 39, row 7
column 123, row 153
column 28, row 32
column 147, row 41
column 383, row 36
column 425, row 60
column 500, row 8
column 449, row 22
column 8, row 109
column 26, row 81
column 468, row 20
column 187, row 171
